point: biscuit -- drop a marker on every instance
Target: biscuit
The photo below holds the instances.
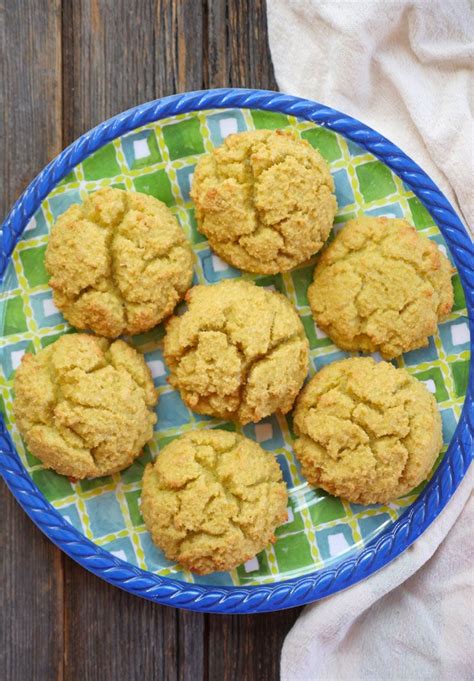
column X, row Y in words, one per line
column 381, row 286
column 85, row 406
column 119, row 263
column 239, row 352
column 212, row 500
column 264, row 199
column 367, row 431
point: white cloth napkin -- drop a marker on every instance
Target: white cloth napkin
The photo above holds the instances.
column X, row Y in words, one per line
column 405, row 69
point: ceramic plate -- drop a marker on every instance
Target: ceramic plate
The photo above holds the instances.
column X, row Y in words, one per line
column 327, row 544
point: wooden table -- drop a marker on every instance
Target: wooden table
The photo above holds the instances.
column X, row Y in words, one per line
column 66, row 66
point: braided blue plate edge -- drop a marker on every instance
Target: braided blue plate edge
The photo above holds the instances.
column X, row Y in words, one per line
column 389, row 544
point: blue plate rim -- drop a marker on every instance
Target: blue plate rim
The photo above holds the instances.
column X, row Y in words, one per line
column 390, row 543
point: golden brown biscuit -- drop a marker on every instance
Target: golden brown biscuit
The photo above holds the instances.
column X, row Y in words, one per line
column 381, row 286
column 213, row 499
column 119, row 263
column 367, row 431
column 239, row 352
column 264, row 200
column 85, row 406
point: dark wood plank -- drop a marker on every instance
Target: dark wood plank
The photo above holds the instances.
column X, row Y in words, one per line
column 215, row 45
column 31, row 575
column 247, row 50
column 30, row 62
column 247, row 647
column 236, row 52
column 108, row 60
column 192, row 650
column 111, row 635
column 31, row 594
column 115, row 56
column 179, row 59
column 242, row 647
column 178, row 46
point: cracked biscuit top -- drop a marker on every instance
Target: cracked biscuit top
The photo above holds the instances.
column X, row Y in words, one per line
column 381, row 286
column 367, row 431
column 239, row 352
column 213, row 499
column 119, row 263
column 264, row 199
column 85, row 406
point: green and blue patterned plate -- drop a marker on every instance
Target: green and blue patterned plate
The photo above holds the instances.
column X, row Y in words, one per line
column 159, row 159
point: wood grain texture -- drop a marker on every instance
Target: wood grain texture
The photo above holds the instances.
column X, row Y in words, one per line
column 236, row 50
column 108, row 60
column 30, row 63
column 31, row 574
column 109, row 634
column 80, row 62
column 247, row 647
column 247, row 47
